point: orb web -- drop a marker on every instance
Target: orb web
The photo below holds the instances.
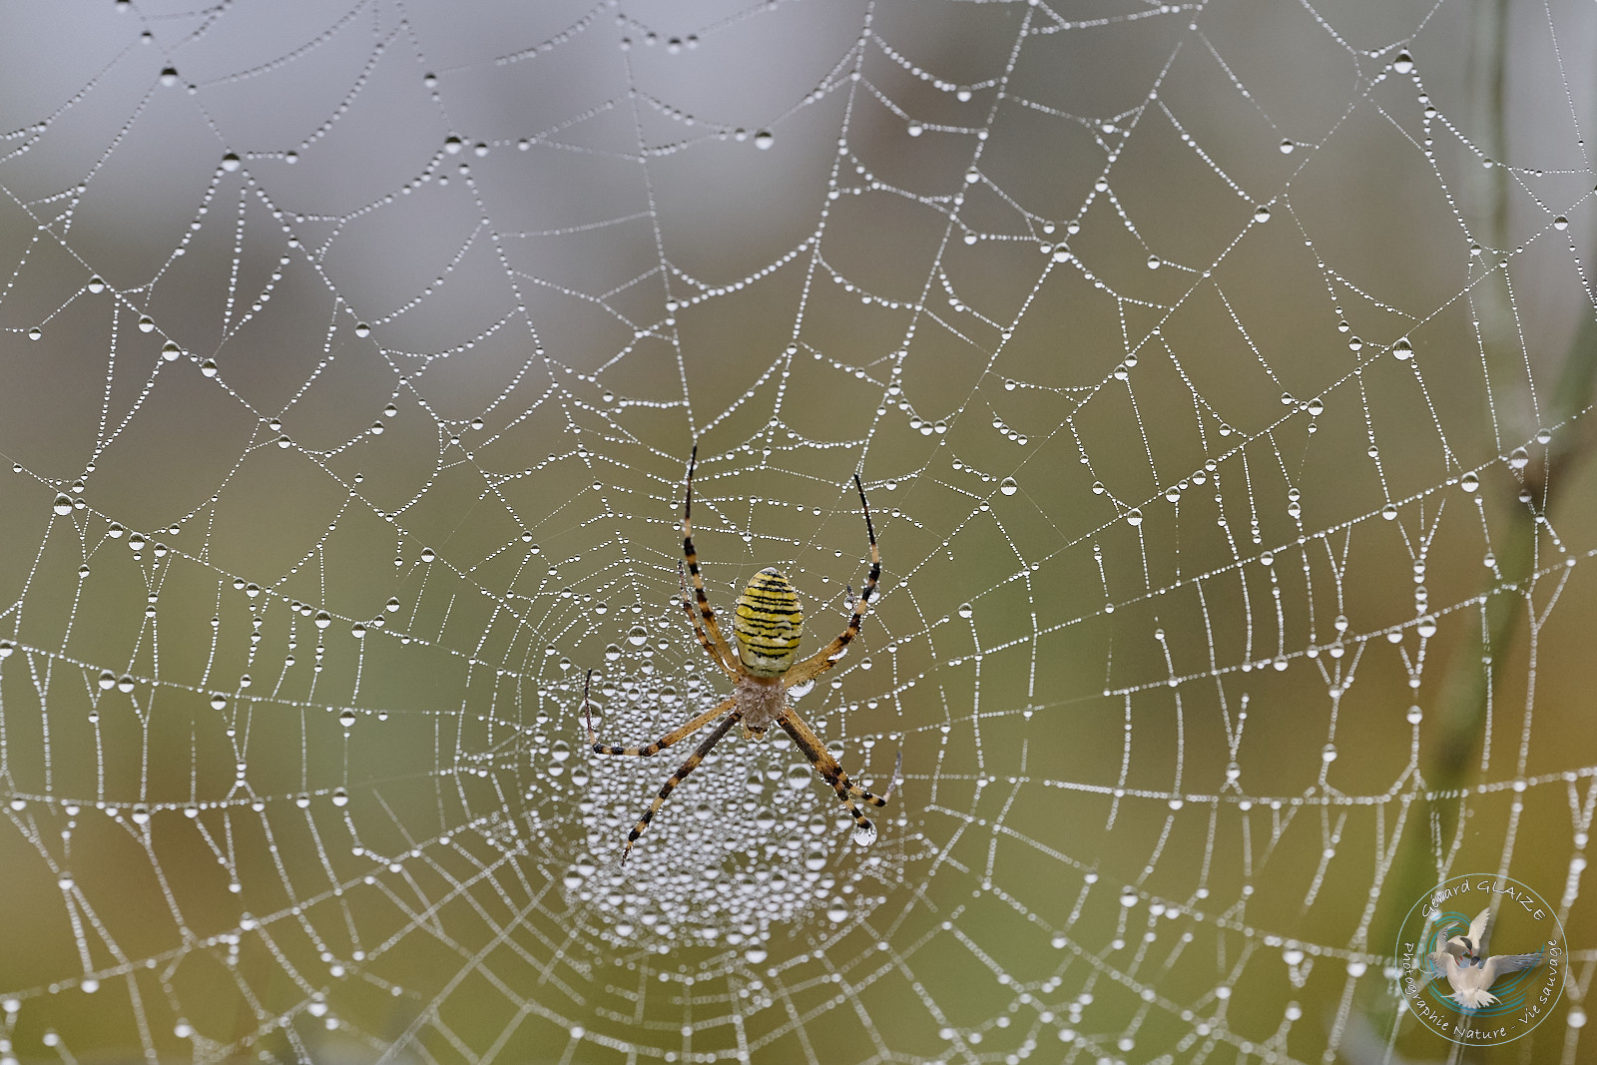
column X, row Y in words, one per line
column 1219, row 376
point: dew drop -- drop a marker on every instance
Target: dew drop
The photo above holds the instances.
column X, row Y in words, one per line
column 864, row 833
column 1008, row 486
column 1518, row 458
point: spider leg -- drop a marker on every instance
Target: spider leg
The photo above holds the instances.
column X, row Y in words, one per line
column 808, row 741
column 826, row 657
column 704, row 640
column 832, row 772
column 705, row 610
column 679, row 733
column 676, row 778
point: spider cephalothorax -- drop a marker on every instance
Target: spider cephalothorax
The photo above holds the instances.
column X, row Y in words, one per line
column 767, row 625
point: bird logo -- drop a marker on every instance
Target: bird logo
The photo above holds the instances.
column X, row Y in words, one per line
column 1468, row 969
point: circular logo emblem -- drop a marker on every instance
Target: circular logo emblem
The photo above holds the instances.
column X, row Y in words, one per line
column 1483, row 959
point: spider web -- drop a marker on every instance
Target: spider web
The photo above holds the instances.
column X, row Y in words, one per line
column 1218, row 375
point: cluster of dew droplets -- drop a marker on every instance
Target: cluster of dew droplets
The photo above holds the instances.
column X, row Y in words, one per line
column 750, row 846
column 750, row 842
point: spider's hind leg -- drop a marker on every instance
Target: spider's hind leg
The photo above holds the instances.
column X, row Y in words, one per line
column 827, row 656
column 691, row 556
column 698, row 630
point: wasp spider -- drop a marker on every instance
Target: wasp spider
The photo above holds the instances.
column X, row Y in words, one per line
column 767, row 625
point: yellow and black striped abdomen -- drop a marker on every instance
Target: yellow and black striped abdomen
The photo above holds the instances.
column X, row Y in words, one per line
column 768, row 624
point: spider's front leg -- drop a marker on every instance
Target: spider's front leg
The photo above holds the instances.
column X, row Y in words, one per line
column 677, row 734
column 676, row 778
column 832, row 772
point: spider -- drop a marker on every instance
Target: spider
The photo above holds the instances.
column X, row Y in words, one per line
column 767, row 625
